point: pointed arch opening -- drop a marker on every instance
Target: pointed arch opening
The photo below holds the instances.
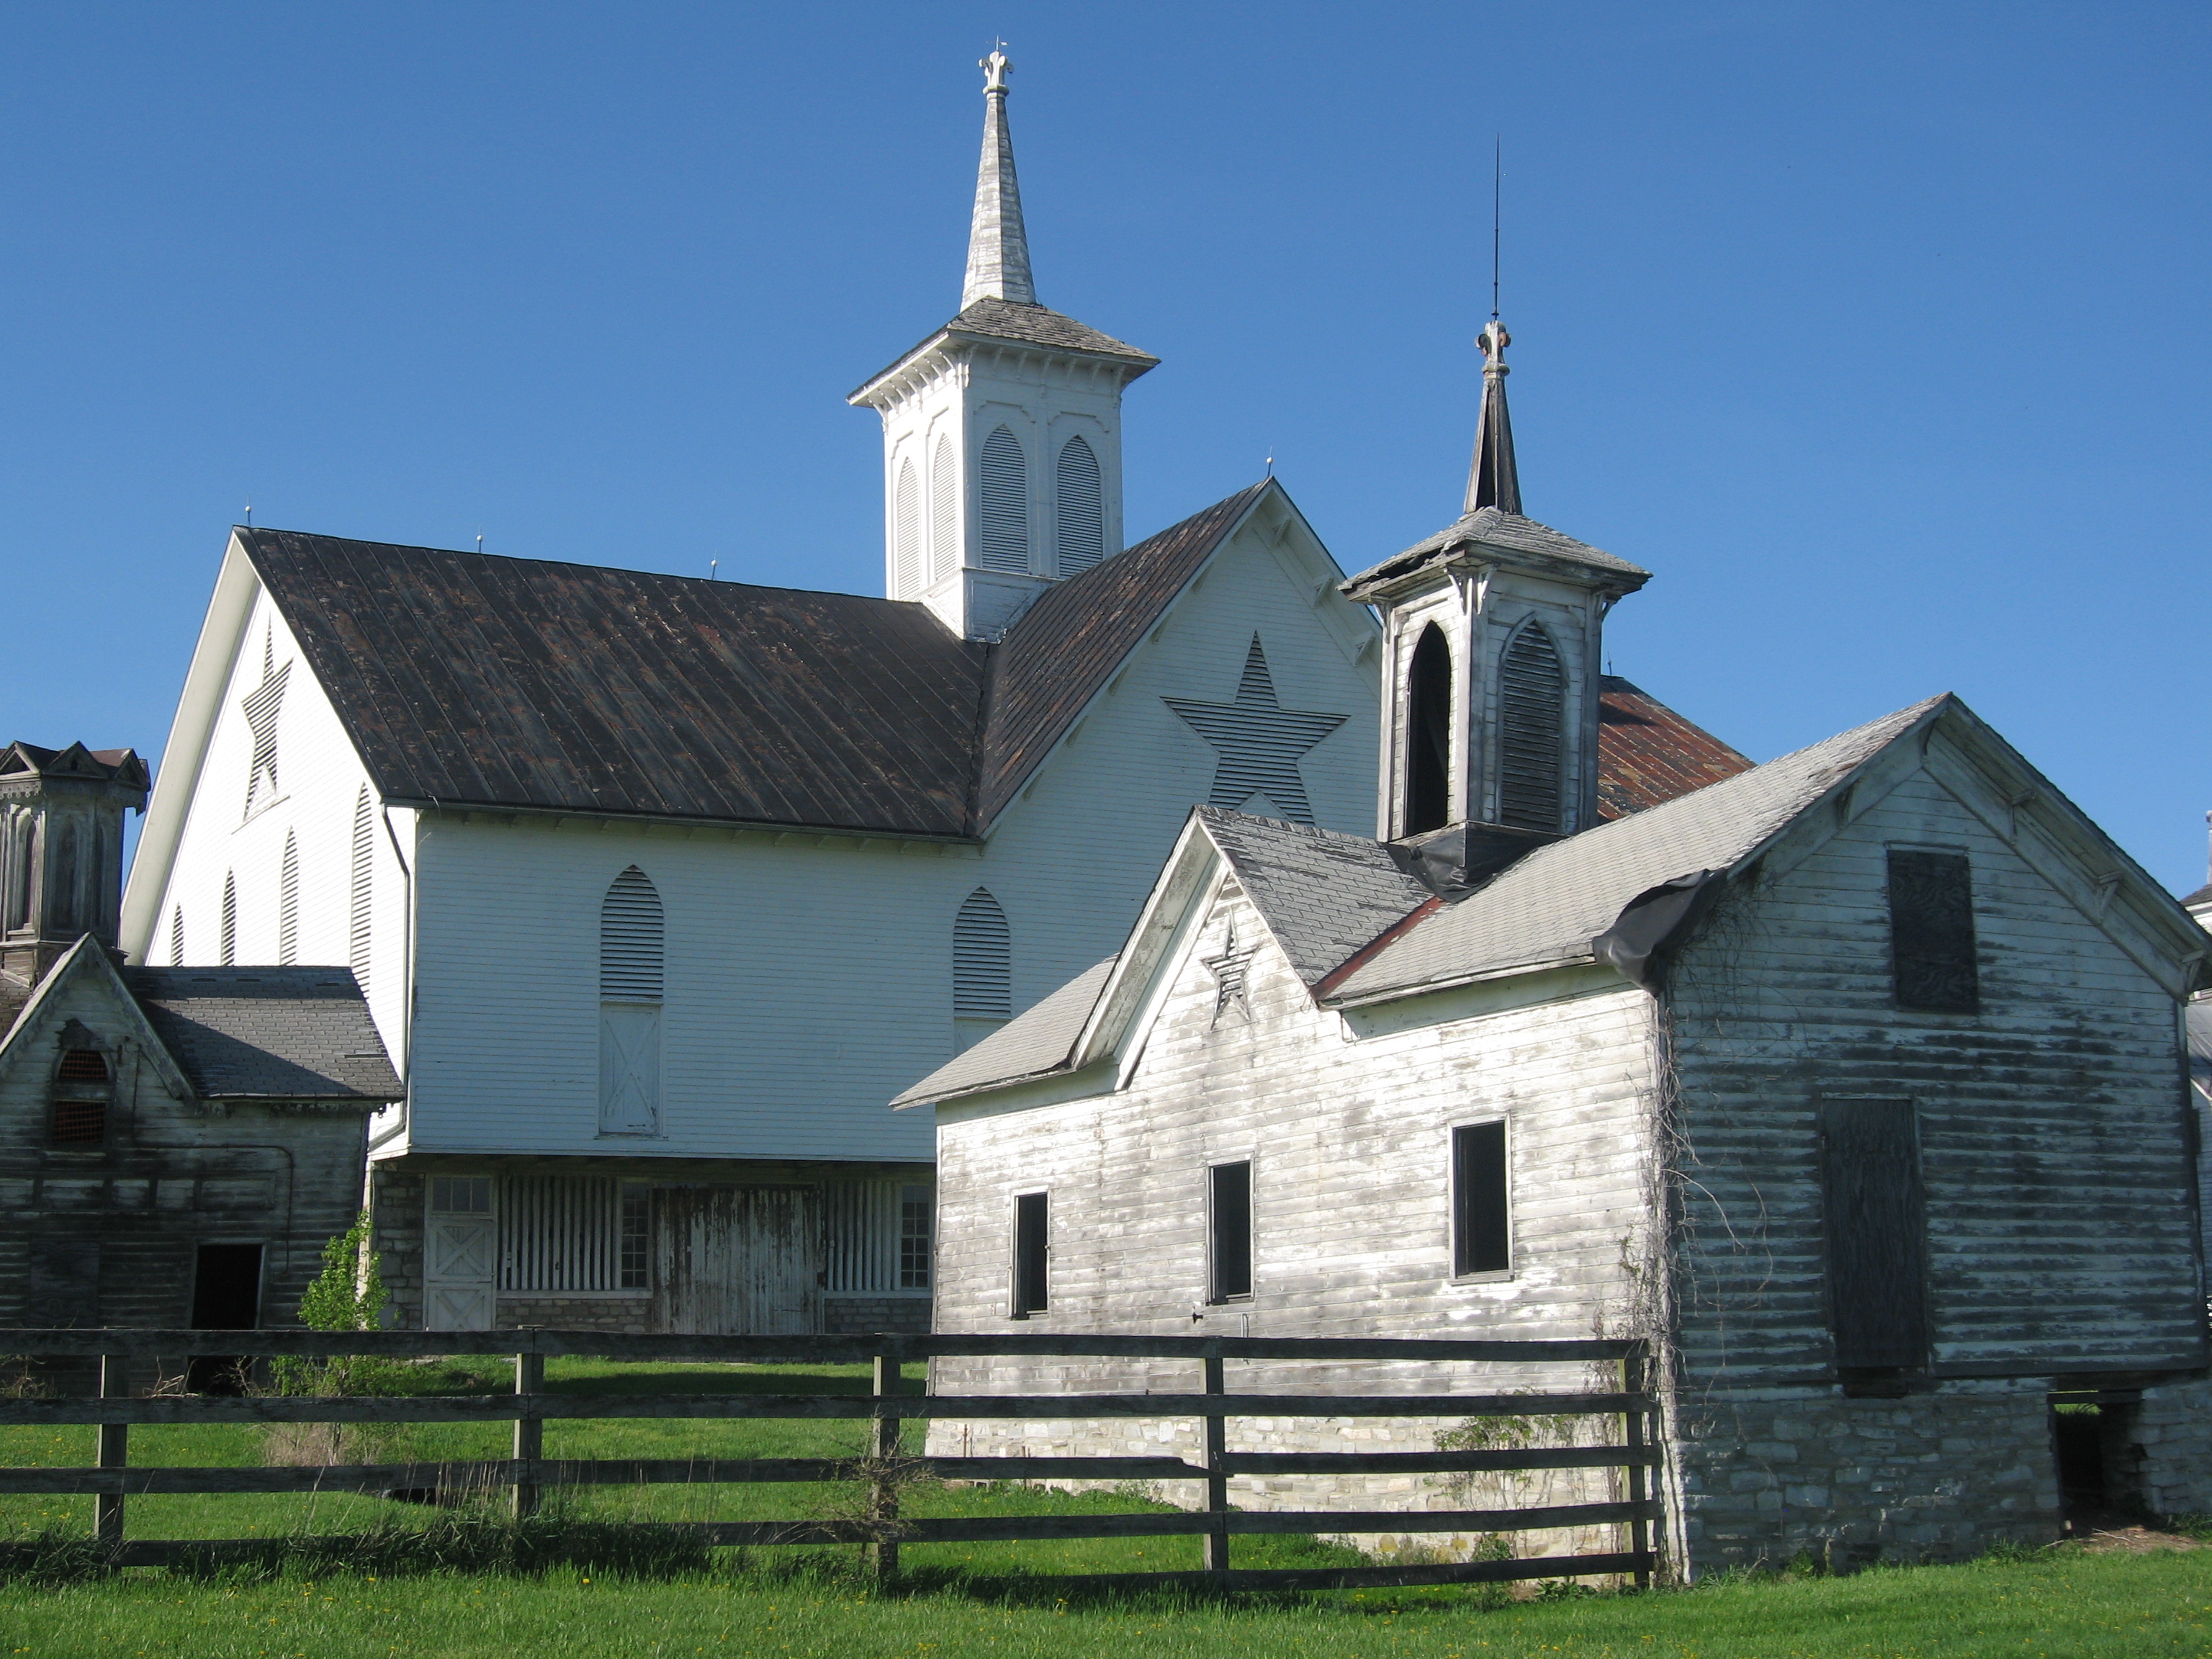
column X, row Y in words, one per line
column 982, row 968
column 227, row 948
column 288, row 903
column 944, row 510
column 632, row 953
column 177, row 936
column 1003, row 503
column 906, row 534
column 1082, row 508
column 361, row 891
column 1531, row 702
column 1428, row 734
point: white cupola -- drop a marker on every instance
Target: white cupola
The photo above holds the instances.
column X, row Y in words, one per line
column 1002, row 431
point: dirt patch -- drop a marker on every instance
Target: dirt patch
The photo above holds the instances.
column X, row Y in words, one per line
column 2136, row 1540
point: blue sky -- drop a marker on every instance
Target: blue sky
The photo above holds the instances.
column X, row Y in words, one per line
column 1878, row 332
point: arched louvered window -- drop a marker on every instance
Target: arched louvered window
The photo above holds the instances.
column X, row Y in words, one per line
column 944, row 510
column 1082, row 509
column 228, row 951
column 1428, row 733
column 906, row 534
column 1003, row 502
column 983, row 967
column 632, row 937
column 361, row 894
column 288, row 903
column 1532, row 701
column 177, row 937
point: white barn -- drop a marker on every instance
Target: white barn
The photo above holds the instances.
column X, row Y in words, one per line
column 1854, row 1081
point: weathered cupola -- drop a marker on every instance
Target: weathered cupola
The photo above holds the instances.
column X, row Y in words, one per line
column 1493, row 647
column 1002, row 430
column 61, row 850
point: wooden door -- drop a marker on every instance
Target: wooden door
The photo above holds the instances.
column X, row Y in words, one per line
column 738, row 1261
column 460, row 1254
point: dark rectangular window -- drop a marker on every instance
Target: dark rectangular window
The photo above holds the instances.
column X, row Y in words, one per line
column 79, row 1124
column 1876, row 1218
column 1931, row 932
column 226, row 1287
column 1032, row 1253
column 914, row 1238
column 1229, row 1230
column 636, row 1262
column 1482, row 1218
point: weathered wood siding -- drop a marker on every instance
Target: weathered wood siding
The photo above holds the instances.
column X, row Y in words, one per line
column 2062, row 1226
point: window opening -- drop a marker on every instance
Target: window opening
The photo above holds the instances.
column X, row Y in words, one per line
column 1082, row 508
column 1875, row 1212
column 228, row 952
column 636, row 1237
column 559, row 1233
column 1229, row 1231
column 80, row 1096
column 1932, row 952
column 288, row 903
column 1532, row 696
column 914, row 1219
column 1482, row 1218
column 1428, row 734
column 1005, row 502
column 906, row 534
column 1033, row 1254
column 461, row 1194
column 361, row 891
column 944, row 510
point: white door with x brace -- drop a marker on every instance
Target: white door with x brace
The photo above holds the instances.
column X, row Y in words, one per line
column 460, row 1254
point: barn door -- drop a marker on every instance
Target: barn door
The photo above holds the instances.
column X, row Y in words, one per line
column 1877, row 1233
column 460, row 1254
column 738, row 1260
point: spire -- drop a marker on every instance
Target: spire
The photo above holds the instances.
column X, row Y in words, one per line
column 1492, row 480
column 997, row 247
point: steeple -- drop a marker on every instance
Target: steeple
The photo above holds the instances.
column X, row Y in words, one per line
column 998, row 246
column 1491, row 481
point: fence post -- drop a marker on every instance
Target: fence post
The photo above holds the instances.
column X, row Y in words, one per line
column 529, row 1432
column 1635, row 1377
column 883, row 1494
column 114, row 1452
column 1217, row 1479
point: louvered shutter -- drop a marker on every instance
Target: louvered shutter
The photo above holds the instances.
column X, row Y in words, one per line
column 1532, row 696
column 630, row 940
column 177, row 937
column 982, row 959
column 361, row 893
column 228, row 947
column 1005, row 502
column 907, row 534
column 288, row 903
column 943, row 511
column 1082, row 514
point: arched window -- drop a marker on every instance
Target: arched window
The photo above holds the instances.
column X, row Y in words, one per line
column 1428, row 733
column 982, row 968
column 177, row 937
column 1082, row 513
column 632, row 937
column 943, row 511
column 1531, row 702
column 228, row 950
column 906, row 534
column 82, row 1090
column 288, row 903
column 1005, row 502
column 361, row 891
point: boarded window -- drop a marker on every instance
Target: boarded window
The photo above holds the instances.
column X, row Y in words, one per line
column 1482, row 1200
column 1931, row 932
column 1531, row 702
column 1875, row 1217
column 81, row 1095
column 906, row 534
column 361, row 893
column 1428, row 734
column 915, row 1209
column 631, row 937
column 944, row 510
column 1082, row 508
column 982, row 959
column 1003, row 502
column 226, row 948
column 288, row 903
column 1229, row 1231
column 1032, row 1255
column 559, row 1233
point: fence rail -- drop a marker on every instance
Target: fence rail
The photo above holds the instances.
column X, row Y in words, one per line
column 111, row 1479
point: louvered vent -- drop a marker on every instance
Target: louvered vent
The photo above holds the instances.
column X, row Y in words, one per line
column 177, row 937
column 982, row 959
column 907, row 533
column 261, row 709
column 229, row 951
column 1082, row 514
column 288, row 903
column 361, row 892
column 1005, row 500
column 943, row 511
column 630, row 940
column 1532, row 696
column 560, row 1233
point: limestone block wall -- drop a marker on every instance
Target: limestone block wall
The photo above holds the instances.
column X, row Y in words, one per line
column 395, row 1205
column 862, row 1315
column 2169, row 1437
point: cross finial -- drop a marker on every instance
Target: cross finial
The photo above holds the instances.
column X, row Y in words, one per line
column 994, row 68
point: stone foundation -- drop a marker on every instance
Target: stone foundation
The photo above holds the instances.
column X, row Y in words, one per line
column 2163, row 1462
column 396, row 1197
column 627, row 1314
column 864, row 1316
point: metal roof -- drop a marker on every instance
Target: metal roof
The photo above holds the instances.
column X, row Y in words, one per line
column 1508, row 532
column 1647, row 753
column 300, row 1034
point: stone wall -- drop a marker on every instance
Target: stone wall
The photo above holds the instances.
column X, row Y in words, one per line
column 863, row 1315
column 1763, row 1476
column 395, row 1207
column 622, row 1315
column 2165, row 1461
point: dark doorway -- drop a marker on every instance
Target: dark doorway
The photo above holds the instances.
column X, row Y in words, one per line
column 1428, row 734
column 226, row 1296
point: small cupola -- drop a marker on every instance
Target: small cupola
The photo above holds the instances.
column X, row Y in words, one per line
column 61, row 850
column 1493, row 647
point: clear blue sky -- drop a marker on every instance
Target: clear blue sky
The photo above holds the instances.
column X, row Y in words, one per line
column 1878, row 332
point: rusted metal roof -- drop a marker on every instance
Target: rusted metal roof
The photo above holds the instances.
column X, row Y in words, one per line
column 466, row 679
column 1647, row 753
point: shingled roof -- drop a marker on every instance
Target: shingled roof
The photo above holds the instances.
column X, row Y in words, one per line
column 288, row 1034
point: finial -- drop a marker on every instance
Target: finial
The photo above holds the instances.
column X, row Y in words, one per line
column 1493, row 340
column 1494, row 480
column 994, row 68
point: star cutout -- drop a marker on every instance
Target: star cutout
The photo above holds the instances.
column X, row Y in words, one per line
column 1259, row 741
column 261, row 707
column 1227, row 971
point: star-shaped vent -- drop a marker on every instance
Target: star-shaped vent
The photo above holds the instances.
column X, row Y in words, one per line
column 1259, row 741
column 1228, row 970
column 261, row 707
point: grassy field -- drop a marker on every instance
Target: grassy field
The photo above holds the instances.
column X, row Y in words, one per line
column 959, row 1600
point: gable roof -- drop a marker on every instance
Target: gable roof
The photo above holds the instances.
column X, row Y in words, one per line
column 299, row 1034
column 1647, row 753
column 1323, row 895
column 471, row 680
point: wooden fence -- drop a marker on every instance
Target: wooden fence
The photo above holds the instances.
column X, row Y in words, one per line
column 112, row 1478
